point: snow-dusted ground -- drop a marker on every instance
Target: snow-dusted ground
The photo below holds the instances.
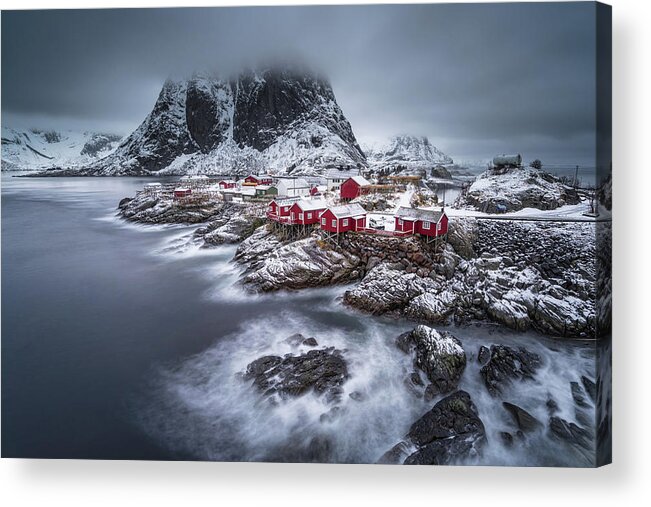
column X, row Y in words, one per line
column 569, row 211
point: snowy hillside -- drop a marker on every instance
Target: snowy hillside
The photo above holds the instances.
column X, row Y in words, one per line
column 279, row 121
column 515, row 189
column 405, row 154
column 34, row 149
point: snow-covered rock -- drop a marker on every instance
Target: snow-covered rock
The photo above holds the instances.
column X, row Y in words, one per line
column 514, row 189
column 522, row 275
column 155, row 209
column 35, row 149
column 281, row 121
column 232, row 223
column 297, row 265
column 438, row 354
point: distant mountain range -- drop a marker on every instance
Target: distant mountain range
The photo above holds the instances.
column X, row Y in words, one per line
column 281, row 121
column 34, row 149
column 407, row 154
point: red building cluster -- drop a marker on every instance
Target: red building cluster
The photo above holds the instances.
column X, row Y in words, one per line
column 258, row 179
column 432, row 224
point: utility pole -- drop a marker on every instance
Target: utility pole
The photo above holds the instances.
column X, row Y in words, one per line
column 576, row 177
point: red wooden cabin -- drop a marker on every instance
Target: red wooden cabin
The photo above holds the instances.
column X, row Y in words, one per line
column 278, row 209
column 431, row 223
column 306, row 212
column 343, row 218
column 182, row 192
column 223, row 184
column 254, row 179
column 354, row 187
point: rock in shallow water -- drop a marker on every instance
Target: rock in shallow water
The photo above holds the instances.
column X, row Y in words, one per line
column 323, row 371
column 439, row 355
column 570, row 432
column 507, row 364
column 524, row 420
column 450, row 432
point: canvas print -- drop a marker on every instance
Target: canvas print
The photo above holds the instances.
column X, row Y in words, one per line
column 371, row 234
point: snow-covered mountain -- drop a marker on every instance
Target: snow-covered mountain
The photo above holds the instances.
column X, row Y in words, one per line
column 405, row 153
column 35, row 149
column 278, row 121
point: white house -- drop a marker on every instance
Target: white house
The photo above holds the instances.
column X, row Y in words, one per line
column 293, row 187
column 335, row 177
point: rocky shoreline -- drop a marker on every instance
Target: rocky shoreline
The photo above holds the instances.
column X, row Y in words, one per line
column 523, row 275
column 452, row 430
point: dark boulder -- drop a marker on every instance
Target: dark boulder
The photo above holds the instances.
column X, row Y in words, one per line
column 451, row 431
column 525, row 421
column 507, row 364
column 507, row 438
column 483, row 355
column 322, row 371
column 570, row 432
column 124, row 202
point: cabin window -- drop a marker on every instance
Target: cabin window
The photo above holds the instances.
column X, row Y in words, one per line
column 345, row 222
column 293, row 215
column 323, row 221
column 300, row 216
column 309, row 215
column 334, row 223
column 426, row 225
column 439, row 227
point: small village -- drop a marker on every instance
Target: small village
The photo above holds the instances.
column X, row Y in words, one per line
column 295, row 207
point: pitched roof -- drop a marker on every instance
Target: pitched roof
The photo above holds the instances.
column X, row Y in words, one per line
column 286, row 200
column 342, row 174
column 349, row 210
column 294, row 182
column 311, row 204
column 428, row 215
column 360, row 180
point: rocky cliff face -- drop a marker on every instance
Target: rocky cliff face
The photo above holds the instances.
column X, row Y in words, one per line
column 277, row 120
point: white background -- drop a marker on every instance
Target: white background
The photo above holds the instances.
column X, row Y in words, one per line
column 626, row 482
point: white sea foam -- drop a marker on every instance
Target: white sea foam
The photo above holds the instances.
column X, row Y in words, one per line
column 201, row 407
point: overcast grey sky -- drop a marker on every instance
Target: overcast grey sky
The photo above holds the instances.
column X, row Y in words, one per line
column 477, row 79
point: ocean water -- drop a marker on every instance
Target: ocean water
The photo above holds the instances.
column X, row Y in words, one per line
column 122, row 341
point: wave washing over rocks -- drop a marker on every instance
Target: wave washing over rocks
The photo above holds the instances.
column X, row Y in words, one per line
column 345, row 392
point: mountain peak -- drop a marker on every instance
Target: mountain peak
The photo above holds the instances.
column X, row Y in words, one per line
column 405, row 151
column 280, row 118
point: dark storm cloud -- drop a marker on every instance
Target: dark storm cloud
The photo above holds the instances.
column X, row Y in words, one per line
column 476, row 79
